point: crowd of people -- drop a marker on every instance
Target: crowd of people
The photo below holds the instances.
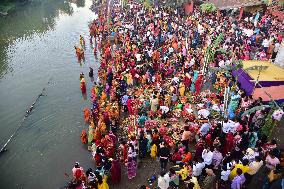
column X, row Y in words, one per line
column 157, row 96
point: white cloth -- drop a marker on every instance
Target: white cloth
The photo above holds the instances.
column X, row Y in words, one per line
column 164, row 109
column 207, row 156
column 229, row 126
column 138, row 57
column 204, row 129
column 197, row 169
column 216, row 108
column 131, row 153
column 276, row 47
column 189, row 110
column 225, row 175
column 171, row 49
column 192, row 61
column 164, row 182
column 265, row 43
column 277, row 115
column 204, row 113
column 175, row 79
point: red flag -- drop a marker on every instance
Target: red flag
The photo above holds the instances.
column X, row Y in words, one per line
column 191, row 7
column 241, row 13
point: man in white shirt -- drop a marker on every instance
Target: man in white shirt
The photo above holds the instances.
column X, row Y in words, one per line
column 265, row 44
column 164, row 109
column 207, row 156
column 197, row 169
column 171, row 50
column 164, row 181
column 138, row 57
column 175, row 79
column 225, row 173
column 276, row 47
column 275, row 50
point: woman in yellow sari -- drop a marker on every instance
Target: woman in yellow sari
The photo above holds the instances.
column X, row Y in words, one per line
column 181, row 89
column 129, row 79
column 167, row 100
column 102, row 182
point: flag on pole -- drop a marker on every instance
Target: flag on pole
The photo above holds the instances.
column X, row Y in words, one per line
column 189, row 8
column 241, row 13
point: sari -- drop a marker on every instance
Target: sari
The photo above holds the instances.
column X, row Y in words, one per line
column 104, row 184
column 131, row 169
column 229, row 143
column 181, row 89
column 83, row 87
column 198, row 83
column 87, row 114
column 115, row 171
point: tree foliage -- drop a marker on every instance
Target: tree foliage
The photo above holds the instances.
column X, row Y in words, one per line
column 147, row 4
column 208, row 7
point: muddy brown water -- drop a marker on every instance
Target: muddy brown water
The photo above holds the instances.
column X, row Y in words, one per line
column 36, row 46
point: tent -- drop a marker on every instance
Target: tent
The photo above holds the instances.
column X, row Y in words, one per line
column 267, row 83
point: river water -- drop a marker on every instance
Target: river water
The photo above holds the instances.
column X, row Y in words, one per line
column 37, row 51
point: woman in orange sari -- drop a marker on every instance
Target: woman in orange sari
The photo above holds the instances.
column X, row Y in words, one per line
column 84, row 137
column 87, row 114
column 102, row 125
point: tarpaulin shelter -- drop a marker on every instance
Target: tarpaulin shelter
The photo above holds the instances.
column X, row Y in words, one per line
column 227, row 4
column 267, row 84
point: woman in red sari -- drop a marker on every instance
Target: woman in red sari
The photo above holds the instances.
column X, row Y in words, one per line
column 198, row 83
column 187, row 80
column 130, row 106
column 229, row 145
column 199, row 148
column 83, row 86
column 115, row 172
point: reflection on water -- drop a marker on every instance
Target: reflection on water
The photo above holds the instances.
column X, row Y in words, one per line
column 79, row 3
column 30, row 19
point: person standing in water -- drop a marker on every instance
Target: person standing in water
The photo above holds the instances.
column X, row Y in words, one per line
column 82, row 83
column 82, row 41
column 79, row 53
column 91, row 72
